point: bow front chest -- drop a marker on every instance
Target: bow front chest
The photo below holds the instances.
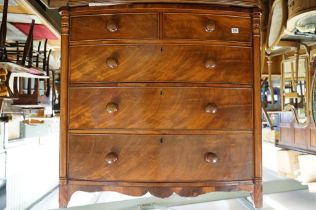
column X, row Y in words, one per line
column 160, row 98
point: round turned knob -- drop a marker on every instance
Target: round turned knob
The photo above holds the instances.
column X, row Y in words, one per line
column 210, row 64
column 211, row 108
column 111, row 108
column 112, row 63
column 211, row 157
column 111, row 158
column 210, row 26
column 112, row 26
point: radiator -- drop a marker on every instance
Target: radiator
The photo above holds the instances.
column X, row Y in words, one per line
column 31, row 170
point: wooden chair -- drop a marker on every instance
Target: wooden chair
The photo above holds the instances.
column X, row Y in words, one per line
column 5, row 76
column 32, row 97
column 28, row 98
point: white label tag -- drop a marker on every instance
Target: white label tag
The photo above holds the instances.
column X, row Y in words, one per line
column 235, row 30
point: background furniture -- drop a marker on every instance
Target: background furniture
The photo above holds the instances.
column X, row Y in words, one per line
column 161, row 98
column 289, row 53
column 296, row 135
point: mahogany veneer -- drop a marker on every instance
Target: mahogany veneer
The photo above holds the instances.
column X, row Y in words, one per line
column 60, row 3
column 114, row 26
column 160, row 108
column 194, row 26
column 161, row 98
column 153, row 155
column 161, row 63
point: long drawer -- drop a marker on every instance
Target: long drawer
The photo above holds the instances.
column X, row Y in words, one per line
column 206, row 27
column 161, row 63
column 114, row 26
column 160, row 108
column 155, row 158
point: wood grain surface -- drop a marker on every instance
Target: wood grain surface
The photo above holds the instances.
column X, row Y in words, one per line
column 64, row 95
column 155, row 189
column 298, row 7
column 161, row 63
column 61, row 3
column 129, row 26
column 161, row 108
column 154, row 158
column 168, row 91
column 193, row 27
column 257, row 111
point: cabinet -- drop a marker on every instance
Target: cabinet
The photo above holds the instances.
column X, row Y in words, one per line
column 160, row 98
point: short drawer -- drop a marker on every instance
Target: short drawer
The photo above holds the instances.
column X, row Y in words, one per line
column 154, row 158
column 206, row 27
column 161, row 63
column 160, row 108
column 114, row 26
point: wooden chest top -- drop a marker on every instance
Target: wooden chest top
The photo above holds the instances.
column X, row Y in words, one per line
column 61, row 3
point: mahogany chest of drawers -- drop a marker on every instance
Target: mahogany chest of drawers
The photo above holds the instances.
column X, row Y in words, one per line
column 161, row 98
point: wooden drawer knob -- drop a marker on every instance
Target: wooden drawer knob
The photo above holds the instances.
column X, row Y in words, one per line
column 111, row 108
column 210, row 64
column 210, row 26
column 111, row 158
column 211, row 157
column 112, row 63
column 211, row 108
column 112, row 26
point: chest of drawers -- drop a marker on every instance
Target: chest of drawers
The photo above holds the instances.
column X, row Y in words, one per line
column 160, row 98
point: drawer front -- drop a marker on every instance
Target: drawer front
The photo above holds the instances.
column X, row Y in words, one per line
column 114, row 26
column 163, row 63
column 150, row 158
column 206, row 27
column 160, row 108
